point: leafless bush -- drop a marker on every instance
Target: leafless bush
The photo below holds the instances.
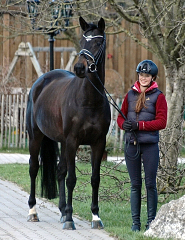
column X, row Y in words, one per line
column 115, row 182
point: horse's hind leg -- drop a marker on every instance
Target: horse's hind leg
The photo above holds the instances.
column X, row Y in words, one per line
column 34, row 148
column 62, row 172
column 97, row 153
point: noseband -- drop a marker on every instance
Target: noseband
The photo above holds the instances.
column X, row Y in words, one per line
column 87, row 54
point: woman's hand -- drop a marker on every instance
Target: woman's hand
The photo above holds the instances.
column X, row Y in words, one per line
column 130, row 125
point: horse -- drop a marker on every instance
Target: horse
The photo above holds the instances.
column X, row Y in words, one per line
column 72, row 110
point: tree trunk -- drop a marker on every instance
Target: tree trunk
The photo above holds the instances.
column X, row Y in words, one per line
column 171, row 137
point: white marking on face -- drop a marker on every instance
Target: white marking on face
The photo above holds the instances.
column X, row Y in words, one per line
column 88, row 38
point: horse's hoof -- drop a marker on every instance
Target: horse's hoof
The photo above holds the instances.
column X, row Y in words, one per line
column 69, row 225
column 97, row 225
column 33, row 218
column 63, row 219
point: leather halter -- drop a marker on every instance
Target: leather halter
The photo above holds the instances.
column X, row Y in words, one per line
column 87, row 54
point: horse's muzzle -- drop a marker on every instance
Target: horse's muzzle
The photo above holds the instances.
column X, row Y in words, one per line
column 80, row 70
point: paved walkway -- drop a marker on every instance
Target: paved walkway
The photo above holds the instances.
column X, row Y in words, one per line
column 24, row 158
column 14, row 211
column 14, row 158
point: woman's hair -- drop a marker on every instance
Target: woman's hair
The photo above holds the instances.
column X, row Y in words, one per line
column 140, row 102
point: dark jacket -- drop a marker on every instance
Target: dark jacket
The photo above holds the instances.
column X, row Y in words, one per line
column 146, row 114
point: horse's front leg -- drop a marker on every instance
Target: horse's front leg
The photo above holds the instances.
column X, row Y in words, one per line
column 70, row 154
column 96, row 156
column 34, row 147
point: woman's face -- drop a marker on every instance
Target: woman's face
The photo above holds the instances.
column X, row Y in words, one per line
column 145, row 79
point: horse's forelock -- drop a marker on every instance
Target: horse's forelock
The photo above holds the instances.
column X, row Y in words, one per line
column 92, row 27
column 89, row 29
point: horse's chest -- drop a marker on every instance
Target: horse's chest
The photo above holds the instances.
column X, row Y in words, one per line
column 89, row 131
column 91, row 126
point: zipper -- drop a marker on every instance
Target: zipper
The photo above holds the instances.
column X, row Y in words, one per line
column 137, row 117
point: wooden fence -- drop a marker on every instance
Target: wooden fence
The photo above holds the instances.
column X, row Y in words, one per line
column 13, row 121
column 122, row 55
column 13, row 132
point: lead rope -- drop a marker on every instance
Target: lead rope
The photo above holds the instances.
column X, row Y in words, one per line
column 93, row 69
column 114, row 104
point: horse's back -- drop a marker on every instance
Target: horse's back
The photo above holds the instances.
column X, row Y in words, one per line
column 46, row 79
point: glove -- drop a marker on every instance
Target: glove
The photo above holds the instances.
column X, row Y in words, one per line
column 127, row 125
column 130, row 125
column 134, row 126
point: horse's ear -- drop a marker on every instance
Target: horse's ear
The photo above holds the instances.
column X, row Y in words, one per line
column 84, row 25
column 101, row 25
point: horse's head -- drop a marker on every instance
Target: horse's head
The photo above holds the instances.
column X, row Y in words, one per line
column 93, row 45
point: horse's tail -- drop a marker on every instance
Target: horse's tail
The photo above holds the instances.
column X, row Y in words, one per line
column 49, row 155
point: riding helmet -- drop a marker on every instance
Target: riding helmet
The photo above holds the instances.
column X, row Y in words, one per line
column 147, row 66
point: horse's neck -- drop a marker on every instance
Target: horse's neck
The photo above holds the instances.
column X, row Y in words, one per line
column 97, row 79
column 93, row 89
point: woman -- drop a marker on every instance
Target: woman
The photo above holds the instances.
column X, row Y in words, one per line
column 145, row 108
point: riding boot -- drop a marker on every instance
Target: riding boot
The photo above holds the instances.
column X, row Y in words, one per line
column 135, row 207
column 152, row 199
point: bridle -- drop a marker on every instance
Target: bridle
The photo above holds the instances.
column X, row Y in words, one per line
column 87, row 54
column 93, row 66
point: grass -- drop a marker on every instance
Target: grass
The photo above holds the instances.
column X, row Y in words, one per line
column 115, row 214
column 114, row 208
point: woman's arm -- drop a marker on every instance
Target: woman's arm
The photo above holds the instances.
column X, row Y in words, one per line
column 124, row 109
column 160, row 119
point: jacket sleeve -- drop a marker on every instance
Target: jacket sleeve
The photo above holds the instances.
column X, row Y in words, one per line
column 160, row 119
column 124, row 110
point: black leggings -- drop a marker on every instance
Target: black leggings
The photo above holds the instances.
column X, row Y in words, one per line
column 149, row 155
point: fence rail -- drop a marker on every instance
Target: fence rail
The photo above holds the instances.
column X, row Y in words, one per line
column 13, row 132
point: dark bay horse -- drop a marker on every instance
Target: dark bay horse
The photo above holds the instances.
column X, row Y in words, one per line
column 73, row 110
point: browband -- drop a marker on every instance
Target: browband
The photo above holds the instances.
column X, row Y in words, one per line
column 90, row 37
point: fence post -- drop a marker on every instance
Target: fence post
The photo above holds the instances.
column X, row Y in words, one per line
column 2, row 120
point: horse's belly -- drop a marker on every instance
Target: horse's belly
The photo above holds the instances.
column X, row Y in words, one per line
column 52, row 130
column 49, row 121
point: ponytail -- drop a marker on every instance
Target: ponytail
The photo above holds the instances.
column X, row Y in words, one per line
column 140, row 102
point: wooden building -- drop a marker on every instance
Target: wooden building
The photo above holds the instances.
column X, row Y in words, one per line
column 122, row 57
